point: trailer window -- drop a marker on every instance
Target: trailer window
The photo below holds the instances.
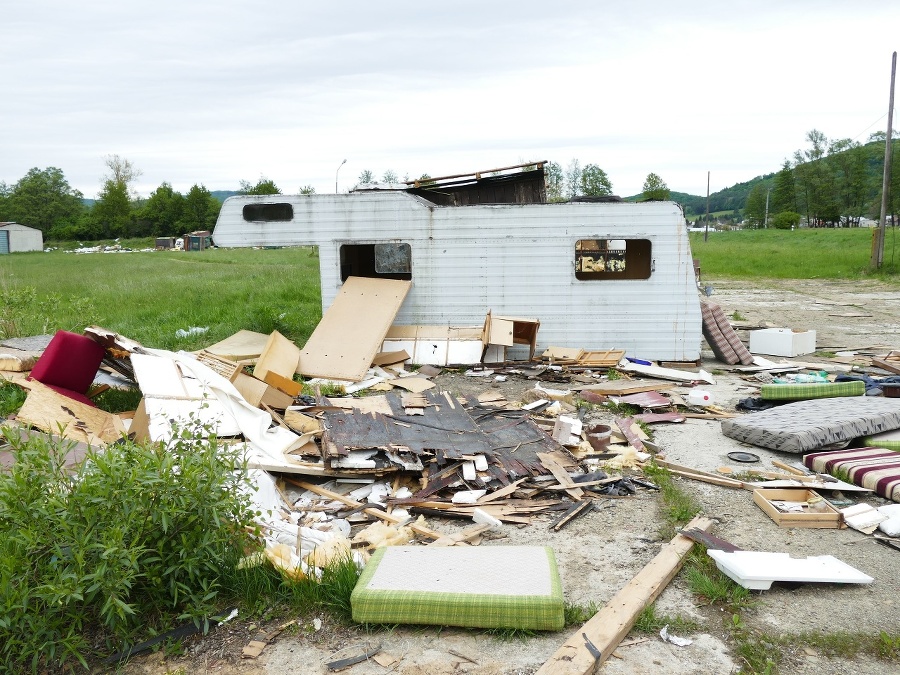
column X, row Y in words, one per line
column 281, row 212
column 612, row 259
column 390, row 260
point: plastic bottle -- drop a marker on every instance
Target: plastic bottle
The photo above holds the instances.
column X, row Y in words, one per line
column 700, row 397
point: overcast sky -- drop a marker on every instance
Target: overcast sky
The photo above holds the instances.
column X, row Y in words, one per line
column 216, row 92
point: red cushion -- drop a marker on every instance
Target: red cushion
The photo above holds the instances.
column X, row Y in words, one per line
column 70, row 362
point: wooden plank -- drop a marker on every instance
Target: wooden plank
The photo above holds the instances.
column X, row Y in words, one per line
column 624, row 387
column 279, row 356
column 561, row 475
column 377, row 513
column 284, row 384
column 351, row 331
column 502, row 492
column 606, row 629
column 256, row 392
column 697, row 474
column 461, row 537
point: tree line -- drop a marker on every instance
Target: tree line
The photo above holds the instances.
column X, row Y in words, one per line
column 43, row 199
column 830, row 183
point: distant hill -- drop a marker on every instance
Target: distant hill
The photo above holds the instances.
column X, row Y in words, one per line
column 729, row 199
column 222, row 195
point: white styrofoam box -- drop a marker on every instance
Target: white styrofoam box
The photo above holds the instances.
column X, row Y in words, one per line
column 757, row 570
column 782, row 342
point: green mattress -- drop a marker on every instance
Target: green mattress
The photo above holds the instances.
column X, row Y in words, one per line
column 472, row 586
column 890, row 440
column 811, row 390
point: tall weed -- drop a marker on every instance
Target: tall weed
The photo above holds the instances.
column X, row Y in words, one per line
column 135, row 539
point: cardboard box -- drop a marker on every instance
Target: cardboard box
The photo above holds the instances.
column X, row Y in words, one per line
column 782, row 342
column 765, row 496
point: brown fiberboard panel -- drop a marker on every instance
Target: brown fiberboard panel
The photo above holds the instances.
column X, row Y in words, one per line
column 351, row 331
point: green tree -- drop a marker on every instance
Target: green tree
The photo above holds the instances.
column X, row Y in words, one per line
column 365, row 176
column 847, row 160
column 784, row 197
column 655, row 189
column 553, row 176
column 112, row 210
column 201, row 209
column 263, row 186
column 389, row 177
column 573, row 179
column 755, row 209
column 41, row 199
column 307, row 190
column 161, row 212
column 595, row 182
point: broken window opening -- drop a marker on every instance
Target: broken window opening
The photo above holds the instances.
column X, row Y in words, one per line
column 268, row 213
column 613, row 259
column 390, row 260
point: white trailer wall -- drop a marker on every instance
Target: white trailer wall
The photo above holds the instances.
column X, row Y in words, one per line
column 513, row 259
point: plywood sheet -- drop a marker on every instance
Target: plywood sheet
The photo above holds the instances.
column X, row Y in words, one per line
column 351, row 331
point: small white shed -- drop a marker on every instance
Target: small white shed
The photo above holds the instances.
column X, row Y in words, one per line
column 15, row 238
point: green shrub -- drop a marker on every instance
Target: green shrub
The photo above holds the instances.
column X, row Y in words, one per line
column 135, row 539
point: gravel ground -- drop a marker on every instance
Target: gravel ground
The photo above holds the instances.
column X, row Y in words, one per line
column 600, row 552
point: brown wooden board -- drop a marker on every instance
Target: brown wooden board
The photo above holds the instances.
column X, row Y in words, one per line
column 764, row 497
column 608, row 358
column 351, row 331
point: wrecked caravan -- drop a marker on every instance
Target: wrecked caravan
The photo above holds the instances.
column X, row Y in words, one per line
column 611, row 275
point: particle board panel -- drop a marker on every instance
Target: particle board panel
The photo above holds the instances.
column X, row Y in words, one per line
column 49, row 411
column 351, row 332
column 242, row 346
column 280, row 356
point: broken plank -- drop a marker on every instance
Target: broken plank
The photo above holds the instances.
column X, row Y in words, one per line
column 577, row 509
column 461, row 537
column 378, row 513
column 502, row 492
column 561, row 475
column 607, row 627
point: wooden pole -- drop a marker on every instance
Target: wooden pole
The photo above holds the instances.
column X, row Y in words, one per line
column 706, row 231
column 878, row 248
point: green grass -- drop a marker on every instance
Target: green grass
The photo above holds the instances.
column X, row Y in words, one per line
column 650, row 621
column 149, row 296
column 12, row 396
column 678, row 507
column 799, row 254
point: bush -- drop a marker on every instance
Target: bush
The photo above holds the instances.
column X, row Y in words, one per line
column 786, row 220
column 135, row 539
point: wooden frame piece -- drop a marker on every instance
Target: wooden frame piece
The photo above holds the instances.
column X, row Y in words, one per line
column 606, row 629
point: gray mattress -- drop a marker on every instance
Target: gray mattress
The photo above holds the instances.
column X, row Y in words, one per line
column 809, row 425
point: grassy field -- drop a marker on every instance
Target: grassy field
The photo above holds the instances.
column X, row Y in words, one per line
column 149, row 296
column 797, row 254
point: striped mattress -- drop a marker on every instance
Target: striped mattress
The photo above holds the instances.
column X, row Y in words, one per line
column 873, row 468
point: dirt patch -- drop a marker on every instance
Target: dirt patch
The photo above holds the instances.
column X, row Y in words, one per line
column 600, row 552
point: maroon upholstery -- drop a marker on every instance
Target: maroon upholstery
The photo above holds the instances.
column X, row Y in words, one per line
column 69, row 365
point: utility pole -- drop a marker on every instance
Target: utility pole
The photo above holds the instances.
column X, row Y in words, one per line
column 766, row 219
column 878, row 244
column 336, row 176
column 706, row 231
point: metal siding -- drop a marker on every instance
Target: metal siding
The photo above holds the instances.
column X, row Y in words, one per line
column 513, row 259
column 4, row 242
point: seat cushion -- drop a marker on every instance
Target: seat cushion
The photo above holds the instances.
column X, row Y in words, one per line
column 70, row 361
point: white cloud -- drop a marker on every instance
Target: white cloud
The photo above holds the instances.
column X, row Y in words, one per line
column 217, row 92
